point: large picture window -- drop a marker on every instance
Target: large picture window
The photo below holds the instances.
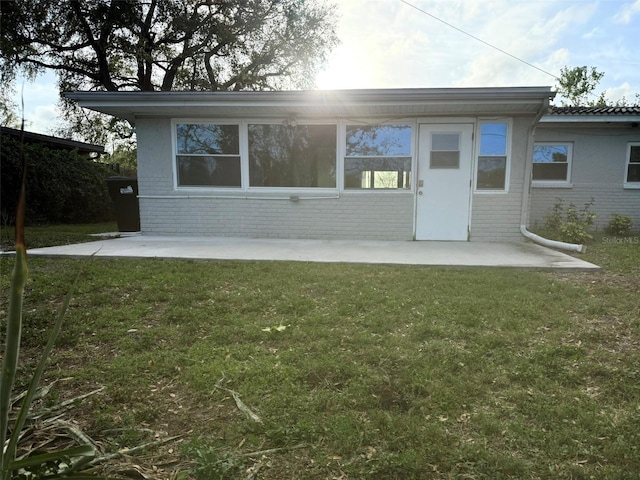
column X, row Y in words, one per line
column 552, row 162
column 378, row 157
column 207, row 155
column 492, row 161
column 632, row 174
column 300, row 156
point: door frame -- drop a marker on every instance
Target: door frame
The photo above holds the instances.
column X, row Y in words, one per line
column 435, row 122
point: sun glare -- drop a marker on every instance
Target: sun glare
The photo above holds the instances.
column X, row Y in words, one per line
column 339, row 73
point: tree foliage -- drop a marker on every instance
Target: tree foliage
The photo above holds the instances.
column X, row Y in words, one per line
column 62, row 186
column 163, row 45
column 577, row 87
column 205, row 45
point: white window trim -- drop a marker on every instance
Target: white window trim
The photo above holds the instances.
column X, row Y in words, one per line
column 174, row 153
column 244, row 150
column 476, row 156
column 342, row 151
column 627, row 184
column 244, row 159
column 556, row 183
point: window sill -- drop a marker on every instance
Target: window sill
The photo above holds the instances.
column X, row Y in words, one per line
column 542, row 184
column 369, row 191
column 490, row 192
column 632, row 186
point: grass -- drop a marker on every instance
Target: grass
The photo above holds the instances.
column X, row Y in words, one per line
column 49, row 235
column 357, row 371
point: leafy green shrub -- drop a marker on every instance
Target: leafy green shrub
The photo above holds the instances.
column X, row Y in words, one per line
column 571, row 224
column 619, row 225
column 62, row 186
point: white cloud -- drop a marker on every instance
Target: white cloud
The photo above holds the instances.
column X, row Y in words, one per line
column 594, row 33
column 40, row 99
column 625, row 91
column 627, row 12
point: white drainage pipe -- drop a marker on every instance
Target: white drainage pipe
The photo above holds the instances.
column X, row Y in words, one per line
column 572, row 247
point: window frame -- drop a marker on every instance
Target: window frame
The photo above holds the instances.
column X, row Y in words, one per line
column 566, row 183
column 627, row 184
column 272, row 121
column 342, row 139
column 243, row 138
column 174, row 140
column 478, row 145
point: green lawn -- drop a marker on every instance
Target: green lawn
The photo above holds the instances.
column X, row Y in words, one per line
column 356, row 371
column 49, row 235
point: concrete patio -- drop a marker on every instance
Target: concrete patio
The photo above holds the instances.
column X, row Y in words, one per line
column 460, row 254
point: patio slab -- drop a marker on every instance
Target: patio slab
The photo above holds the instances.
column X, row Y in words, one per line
column 461, row 254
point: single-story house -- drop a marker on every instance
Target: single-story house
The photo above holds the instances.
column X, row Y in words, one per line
column 585, row 154
column 397, row 164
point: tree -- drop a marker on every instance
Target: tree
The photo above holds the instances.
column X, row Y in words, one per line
column 150, row 45
column 9, row 116
column 576, row 85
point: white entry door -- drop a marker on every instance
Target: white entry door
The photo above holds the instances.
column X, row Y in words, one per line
column 444, row 182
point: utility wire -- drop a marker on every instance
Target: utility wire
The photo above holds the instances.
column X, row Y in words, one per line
column 479, row 39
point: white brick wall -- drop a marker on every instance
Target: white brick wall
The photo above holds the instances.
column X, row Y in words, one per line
column 381, row 215
column 367, row 215
column 496, row 216
column 387, row 216
column 598, row 170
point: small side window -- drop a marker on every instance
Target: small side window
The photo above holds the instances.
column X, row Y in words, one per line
column 493, row 158
column 552, row 162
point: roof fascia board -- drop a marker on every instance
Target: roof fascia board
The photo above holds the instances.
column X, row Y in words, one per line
column 61, row 142
column 312, row 97
column 590, row 119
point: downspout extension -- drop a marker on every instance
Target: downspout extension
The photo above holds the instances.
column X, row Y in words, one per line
column 572, row 247
column 524, row 213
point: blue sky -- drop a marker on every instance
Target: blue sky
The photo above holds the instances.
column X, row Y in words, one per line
column 389, row 44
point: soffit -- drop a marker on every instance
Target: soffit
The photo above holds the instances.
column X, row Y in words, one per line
column 387, row 103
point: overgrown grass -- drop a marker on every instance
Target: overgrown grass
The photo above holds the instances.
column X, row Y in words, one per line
column 50, row 235
column 374, row 372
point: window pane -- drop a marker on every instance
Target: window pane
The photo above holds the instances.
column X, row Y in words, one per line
column 207, row 139
column 550, row 153
column 491, row 172
column 493, row 139
column 634, row 156
column 550, row 171
column 301, row 156
column 445, row 141
column 209, row 171
column 377, row 172
column 444, row 160
column 633, row 172
column 378, row 140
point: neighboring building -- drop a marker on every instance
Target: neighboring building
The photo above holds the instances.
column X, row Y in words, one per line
column 584, row 153
column 54, row 143
column 423, row 164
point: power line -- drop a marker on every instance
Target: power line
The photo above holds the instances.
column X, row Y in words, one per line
column 479, row 39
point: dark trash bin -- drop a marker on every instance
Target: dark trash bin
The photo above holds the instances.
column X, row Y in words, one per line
column 124, row 196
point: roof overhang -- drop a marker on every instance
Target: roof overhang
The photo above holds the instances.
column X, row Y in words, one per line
column 53, row 142
column 590, row 119
column 382, row 103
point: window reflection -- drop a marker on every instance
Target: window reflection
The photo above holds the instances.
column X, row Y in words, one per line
column 378, row 157
column 292, row 156
column 492, row 162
